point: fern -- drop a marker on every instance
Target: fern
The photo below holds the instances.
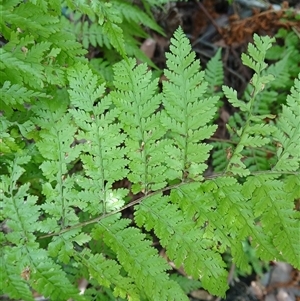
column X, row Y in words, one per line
column 268, row 102
column 288, row 131
column 132, row 249
column 110, row 24
column 214, row 74
column 35, row 267
column 65, row 150
column 187, row 285
column 135, row 97
column 182, row 93
column 98, row 153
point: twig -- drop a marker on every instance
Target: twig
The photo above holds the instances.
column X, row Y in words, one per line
column 201, row 6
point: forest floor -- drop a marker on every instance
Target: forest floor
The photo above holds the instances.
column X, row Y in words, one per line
column 211, row 24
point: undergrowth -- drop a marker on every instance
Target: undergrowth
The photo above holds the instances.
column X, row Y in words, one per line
column 67, row 141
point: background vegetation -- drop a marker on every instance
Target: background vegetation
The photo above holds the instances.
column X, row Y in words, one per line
column 115, row 174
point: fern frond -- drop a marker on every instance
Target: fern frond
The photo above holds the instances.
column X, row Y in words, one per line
column 255, row 158
column 134, row 15
column 30, row 75
column 109, row 13
column 254, row 132
column 37, row 64
column 214, row 74
column 15, row 209
column 187, row 285
column 48, row 278
column 136, row 100
column 46, row 5
column 11, row 144
column 91, row 34
column 287, row 135
column 275, row 209
column 12, row 94
column 103, row 158
column 107, row 272
column 12, row 284
column 21, row 214
column 131, row 248
column 180, row 236
column 55, row 145
column 288, row 48
column 27, row 17
column 183, row 93
column 257, row 53
column 269, row 99
column 70, row 49
column 30, row 267
column 215, row 201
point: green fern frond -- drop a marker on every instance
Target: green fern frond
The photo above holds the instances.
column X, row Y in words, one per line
column 131, row 248
column 109, row 13
column 48, row 278
column 103, row 159
column 135, row 15
column 55, row 145
column 12, row 94
column 26, row 17
column 107, row 272
column 187, row 285
column 31, row 268
column 214, row 75
column 91, row 34
column 183, row 92
column 22, row 214
column 71, row 51
column 269, row 100
column 136, row 100
column 115, row 35
column 214, row 201
column 254, row 132
column 46, row 5
column 30, row 75
column 255, row 58
column 275, row 209
column 40, row 63
column 262, row 158
column 288, row 47
column 287, row 135
column 12, row 284
column 180, row 236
